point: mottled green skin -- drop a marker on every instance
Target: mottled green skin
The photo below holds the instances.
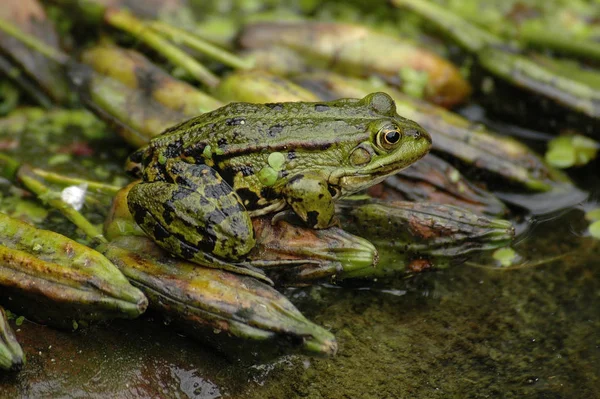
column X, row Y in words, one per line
column 205, row 178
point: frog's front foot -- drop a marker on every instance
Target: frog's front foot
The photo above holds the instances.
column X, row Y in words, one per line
column 311, row 198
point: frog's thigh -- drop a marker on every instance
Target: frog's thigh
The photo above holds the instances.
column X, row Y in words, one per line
column 205, row 215
column 310, row 199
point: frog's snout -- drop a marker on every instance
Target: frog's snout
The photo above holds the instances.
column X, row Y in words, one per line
column 418, row 134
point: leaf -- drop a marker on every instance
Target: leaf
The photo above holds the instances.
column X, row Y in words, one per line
column 593, row 215
column 594, row 229
column 505, row 256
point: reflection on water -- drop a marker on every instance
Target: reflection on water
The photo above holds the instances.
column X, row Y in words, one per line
column 195, row 386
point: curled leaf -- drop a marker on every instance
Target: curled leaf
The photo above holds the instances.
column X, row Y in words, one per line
column 208, row 301
column 53, row 280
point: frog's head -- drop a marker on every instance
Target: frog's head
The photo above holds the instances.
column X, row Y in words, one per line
column 393, row 143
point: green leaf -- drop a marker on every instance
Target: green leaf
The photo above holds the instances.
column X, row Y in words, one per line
column 594, row 229
column 563, row 157
column 276, row 160
column 571, row 150
column 59, row 159
column 268, row 176
column 593, row 215
column 505, row 256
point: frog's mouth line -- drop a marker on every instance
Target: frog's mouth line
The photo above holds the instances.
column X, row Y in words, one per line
column 349, row 182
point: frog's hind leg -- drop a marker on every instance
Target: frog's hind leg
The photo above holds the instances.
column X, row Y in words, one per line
column 199, row 217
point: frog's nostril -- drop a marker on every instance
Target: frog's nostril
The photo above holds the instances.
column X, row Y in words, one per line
column 415, row 134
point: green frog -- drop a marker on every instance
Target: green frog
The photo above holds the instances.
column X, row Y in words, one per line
column 204, row 179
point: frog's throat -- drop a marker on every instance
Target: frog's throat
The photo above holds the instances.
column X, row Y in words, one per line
column 353, row 183
column 349, row 181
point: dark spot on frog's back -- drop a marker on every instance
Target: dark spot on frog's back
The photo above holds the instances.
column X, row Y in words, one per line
column 248, row 197
column 246, row 170
column 235, row 121
column 268, row 193
column 294, row 179
column 182, row 192
column 275, row 106
column 321, row 107
column 187, row 251
column 222, row 141
column 215, row 217
column 137, row 211
column 173, row 149
column 291, row 155
column 160, row 233
column 275, row 130
column 168, row 215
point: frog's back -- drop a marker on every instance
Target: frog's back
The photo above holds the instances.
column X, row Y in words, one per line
column 243, row 128
column 245, row 124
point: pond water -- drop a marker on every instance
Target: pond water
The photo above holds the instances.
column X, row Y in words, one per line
column 465, row 332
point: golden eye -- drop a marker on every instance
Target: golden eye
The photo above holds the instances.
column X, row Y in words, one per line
column 388, row 137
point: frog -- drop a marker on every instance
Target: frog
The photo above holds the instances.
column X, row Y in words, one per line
column 204, row 179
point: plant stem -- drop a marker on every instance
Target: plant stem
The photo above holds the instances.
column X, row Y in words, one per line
column 464, row 33
column 25, row 178
column 125, row 21
column 197, row 43
column 33, row 43
column 67, row 180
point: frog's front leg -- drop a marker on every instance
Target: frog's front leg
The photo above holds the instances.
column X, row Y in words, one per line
column 194, row 215
column 310, row 197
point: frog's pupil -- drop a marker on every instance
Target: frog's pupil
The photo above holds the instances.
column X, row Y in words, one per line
column 392, row 137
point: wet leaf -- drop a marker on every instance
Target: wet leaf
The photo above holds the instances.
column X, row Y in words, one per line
column 356, row 50
column 30, row 17
column 260, row 87
column 52, row 279
column 210, row 301
column 126, row 89
column 437, row 235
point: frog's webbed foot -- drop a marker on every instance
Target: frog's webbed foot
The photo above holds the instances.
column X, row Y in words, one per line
column 199, row 218
column 310, row 198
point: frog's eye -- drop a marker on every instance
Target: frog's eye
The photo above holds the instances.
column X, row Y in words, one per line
column 388, row 137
